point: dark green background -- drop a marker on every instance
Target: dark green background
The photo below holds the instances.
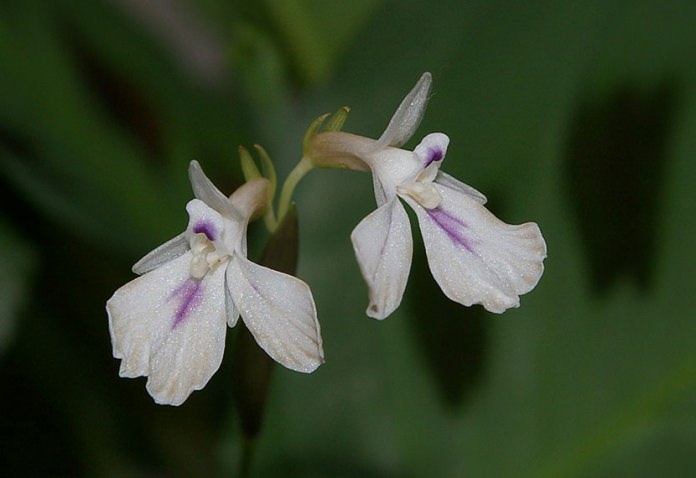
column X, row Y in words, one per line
column 580, row 116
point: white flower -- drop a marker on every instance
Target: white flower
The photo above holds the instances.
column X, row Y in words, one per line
column 170, row 323
column 473, row 256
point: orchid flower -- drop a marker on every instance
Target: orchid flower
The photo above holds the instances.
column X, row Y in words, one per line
column 474, row 257
column 169, row 324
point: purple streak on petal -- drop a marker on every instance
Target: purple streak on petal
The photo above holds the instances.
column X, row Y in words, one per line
column 386, row 239
column 189, row 295
column 453, row 227
column 434, row 154
column 207, row 228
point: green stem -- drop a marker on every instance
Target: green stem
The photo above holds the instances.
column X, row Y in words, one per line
column 247, row 457
column 302, row 168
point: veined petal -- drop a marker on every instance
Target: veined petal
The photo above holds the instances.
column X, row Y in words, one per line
column 408, row 115
column 384, row 247
column 278, row 309
column 475, row 257
column 171, row 328
column 205, row 190
column 168, row 251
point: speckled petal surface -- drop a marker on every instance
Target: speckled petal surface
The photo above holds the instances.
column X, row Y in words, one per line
column 170, row 328
column 408, row 115
column 168, row 251
column 384, row 248
column 279, row 311
column 475, row 257
column 455, row 184
column 205, row 190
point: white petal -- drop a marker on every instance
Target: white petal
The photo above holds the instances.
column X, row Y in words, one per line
column 279, row 311
column 205, row 190
column 383, row 247
column 391, row 167
column 232, row 312
column 170, row 328
column 168, row 251
column 475, row 257
column 432, row 150
column 408, row 115
column 451, row 182
column 380, row 195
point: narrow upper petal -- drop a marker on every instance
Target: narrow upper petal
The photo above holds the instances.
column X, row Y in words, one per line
column 168, row 251
column 383, row 247
column 408, row 115
column 278, row 309
column 475, row 257
column 171, row 328
column 205, row 190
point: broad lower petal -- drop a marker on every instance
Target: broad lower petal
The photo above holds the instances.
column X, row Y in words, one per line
column 278, row 309
column 171, row 328
column 475, row 257
column 384, row 247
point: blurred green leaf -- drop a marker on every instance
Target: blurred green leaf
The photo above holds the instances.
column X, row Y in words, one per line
column 317, row 31
column 97, row 123
column 112, row 127
column 17, row 264
column 615, row 161
column 453, row 339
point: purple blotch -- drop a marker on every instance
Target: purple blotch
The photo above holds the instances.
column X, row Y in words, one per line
column 189, row 295
column 207, row 228
column 453, row 227
column 434, row 154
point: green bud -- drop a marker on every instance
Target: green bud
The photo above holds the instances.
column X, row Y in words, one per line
column 313, row 130
column 338, row 119
column 268, row 170
column 248, row 165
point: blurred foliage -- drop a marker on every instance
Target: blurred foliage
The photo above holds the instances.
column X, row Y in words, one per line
column 578, row 115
